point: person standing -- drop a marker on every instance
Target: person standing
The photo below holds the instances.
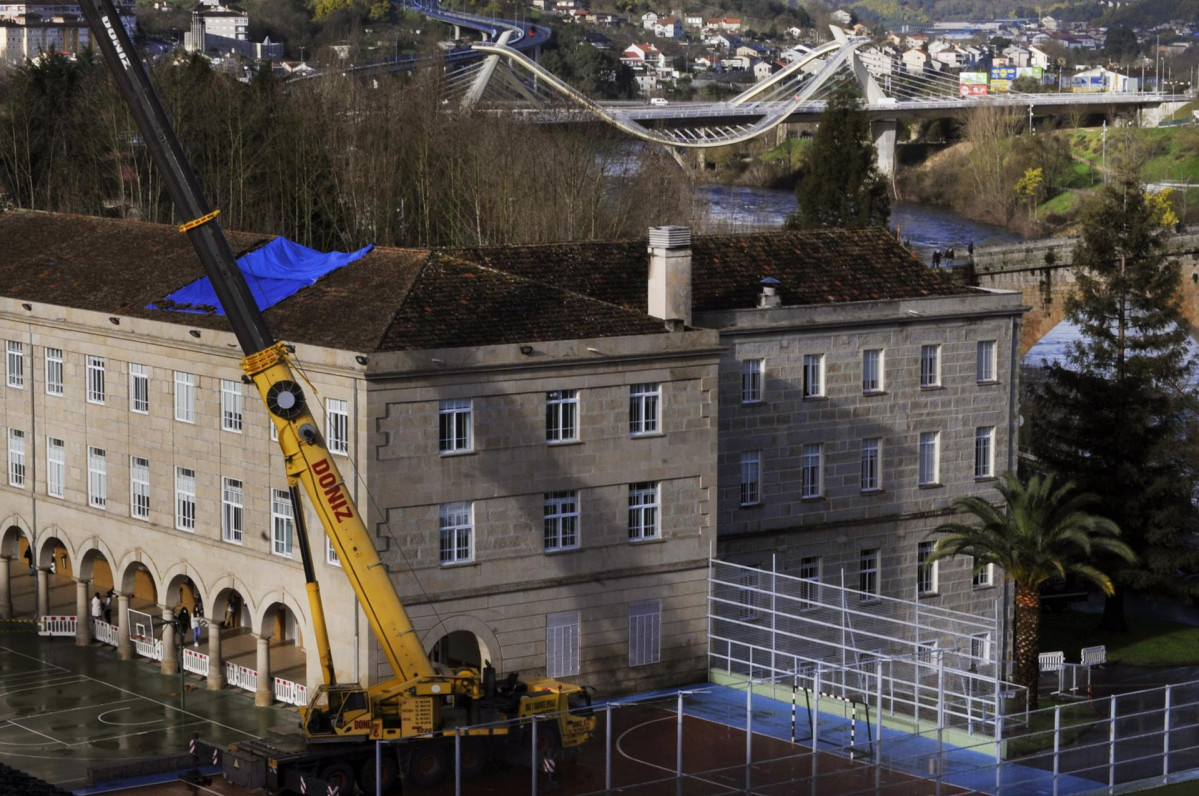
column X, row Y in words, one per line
column 197, row 616
column 97, row 607
column 185, row 623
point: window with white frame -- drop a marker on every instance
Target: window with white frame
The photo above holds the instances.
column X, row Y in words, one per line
column 644, row 403
column 560, row 520
column 868, row 574
column 809, row 583
column 929, row 465
column 752, row 374
column 139, row 388
column 986, row 361
column 983, row 575
column 812, row 470
column 984, row 452
column 645, row 632
column 283, row 523
column 562, row 416
column 139, row 488
column 562, row 644
column 56, row 467
column 813, row 375
column 185, row 499
column 872, row 370
column 930, row 366
column 980, row 647
column 53, row 371
column 926, row 571
column 872, row 464
column 97, row 478
column 643, row 511
column 331, row 556
column 455, row 421
column 457, row 532
column 929, row 653
column 15, row 359
column 337, row 426
column 95, row 379
column 232, row 510
column 231, row 405
column 185, row 397
column 274, row 430
column 751, row 478
column 16, row 458
column 748, row 595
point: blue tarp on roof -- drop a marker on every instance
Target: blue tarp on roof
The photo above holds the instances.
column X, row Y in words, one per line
column 273, row 272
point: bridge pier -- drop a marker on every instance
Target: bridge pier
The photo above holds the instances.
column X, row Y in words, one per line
column 884, row 131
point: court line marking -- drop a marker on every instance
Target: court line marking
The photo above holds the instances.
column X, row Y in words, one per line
column 35, row 732
column 44, row 684
column 81, row 707
column 156, row 731
column 627, row 756
column 38, row 661
column 102, row 720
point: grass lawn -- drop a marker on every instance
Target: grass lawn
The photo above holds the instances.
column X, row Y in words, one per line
column 1077, row 718
column 1149, row 642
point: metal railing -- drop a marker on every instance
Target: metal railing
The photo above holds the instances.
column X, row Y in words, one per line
column 195, row 662
column 290, row 692
column 56, row 626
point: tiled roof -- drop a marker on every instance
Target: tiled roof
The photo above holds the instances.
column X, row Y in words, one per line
column 404, row 299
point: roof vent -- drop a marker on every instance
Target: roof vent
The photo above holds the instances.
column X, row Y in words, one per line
column 769, row 297
column 670, row 237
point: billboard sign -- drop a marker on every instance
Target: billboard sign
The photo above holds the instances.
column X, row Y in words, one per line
column 972, row 78
column 972, row 90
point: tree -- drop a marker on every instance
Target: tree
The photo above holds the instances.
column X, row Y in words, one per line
column 1121, row 45
column 1030, row 187
column 1118, row 416
column 840, row 185
column 1042, row 531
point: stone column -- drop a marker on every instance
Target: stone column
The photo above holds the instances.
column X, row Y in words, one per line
column 124, row 645
column 216, row 664
column 264, row 695
column 43, row 591
column 5, row 588
column 884, row 143
column 170, row 653
column 83, row 614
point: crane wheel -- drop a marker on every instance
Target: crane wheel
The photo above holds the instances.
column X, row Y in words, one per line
column 428, row 764
column 389, row 774
column 475, row 755
column 339, row 775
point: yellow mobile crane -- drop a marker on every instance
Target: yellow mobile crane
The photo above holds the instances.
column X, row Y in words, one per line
column 423, row 705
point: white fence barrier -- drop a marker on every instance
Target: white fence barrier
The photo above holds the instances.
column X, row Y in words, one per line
column 290, row 693
column 56, row 626
column 106, row 633
column 241, row 677
column 148, row 647
column 195, row 662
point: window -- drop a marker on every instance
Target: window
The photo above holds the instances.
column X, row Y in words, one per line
column 56, row 466
column 562, row 416
column 274, row 430
column 644, row 400
column 185, row 397
column 926, row 571
column 983, row 576
column 562, row 644
column 337, row 426
column 813, row 375
column 872, row 462
column 283, row 523
column 930, row 458
column 645, row 632
column 809, row 586
column 139, row 488
column 185, row 499
column 747, row 595
column 331, row 556
column 97, row 478
column 231, row 399
column 643, row 511
column 139, row 388
column 561, row 520
column 980, row 647
column 53, row 371
column 928, row 653
column 95, row 380
column 930, row 366
column 456, row 416
column 868, row 574
column 752, row 371
column 811, row 471
column 984, row 452
column 231, row 510
column 16, row 364
column 457, row 532
column 16, row 458
column 751, row 478
column 986, row 360
column 872, row 370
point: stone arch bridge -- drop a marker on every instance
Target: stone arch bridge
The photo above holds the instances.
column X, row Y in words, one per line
column 1043, row 272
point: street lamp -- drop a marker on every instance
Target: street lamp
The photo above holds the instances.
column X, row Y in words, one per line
column 1030, row 119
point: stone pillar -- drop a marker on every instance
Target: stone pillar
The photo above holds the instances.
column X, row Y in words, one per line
column 264, row 695
column 124, row 645
column 884, row 142
column 83, row 614
column 170, row 653
column 216, row 664
column 43, row 591
column 5, row 588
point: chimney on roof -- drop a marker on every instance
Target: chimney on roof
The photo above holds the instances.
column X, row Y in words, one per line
column 770, row 296
column 670, row 275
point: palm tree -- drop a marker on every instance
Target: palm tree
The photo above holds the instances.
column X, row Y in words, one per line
column 1042, row 531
